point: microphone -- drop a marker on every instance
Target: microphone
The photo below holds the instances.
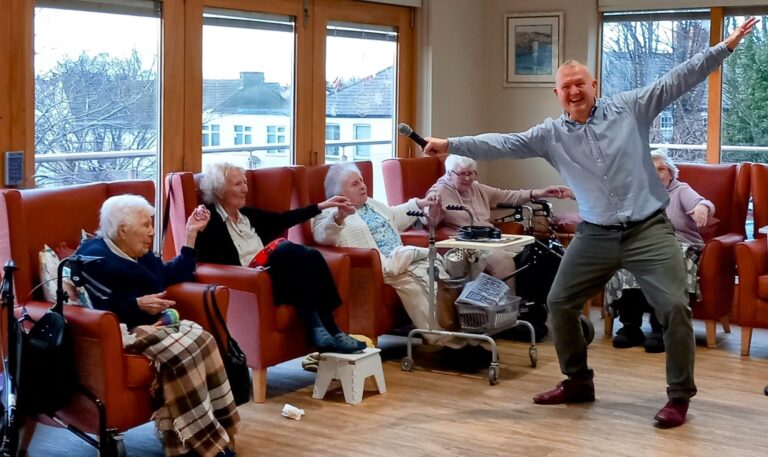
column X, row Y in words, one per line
column 405, row 129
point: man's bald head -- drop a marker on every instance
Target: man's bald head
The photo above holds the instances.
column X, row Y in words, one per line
column 576, row 89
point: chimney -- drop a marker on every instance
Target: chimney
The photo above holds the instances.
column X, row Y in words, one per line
column 251, row 78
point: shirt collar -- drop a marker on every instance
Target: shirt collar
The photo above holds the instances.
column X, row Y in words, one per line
column 117, row 251
column 223, row 213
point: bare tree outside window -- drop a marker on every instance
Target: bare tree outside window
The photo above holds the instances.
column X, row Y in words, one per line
column 96, row 104
column 96, row 92
column 638, row 51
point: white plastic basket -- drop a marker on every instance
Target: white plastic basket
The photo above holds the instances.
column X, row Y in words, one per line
column 475, row 318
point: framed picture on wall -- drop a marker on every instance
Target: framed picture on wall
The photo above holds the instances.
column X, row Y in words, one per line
column 534, row 48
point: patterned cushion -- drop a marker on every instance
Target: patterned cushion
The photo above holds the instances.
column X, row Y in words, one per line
column 49, row 264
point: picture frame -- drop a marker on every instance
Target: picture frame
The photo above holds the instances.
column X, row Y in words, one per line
column 533, row 48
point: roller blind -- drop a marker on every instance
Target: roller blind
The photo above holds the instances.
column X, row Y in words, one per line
column 636, row 5
column 413, row 3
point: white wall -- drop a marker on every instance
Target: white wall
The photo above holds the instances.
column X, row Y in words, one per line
column 461, row 66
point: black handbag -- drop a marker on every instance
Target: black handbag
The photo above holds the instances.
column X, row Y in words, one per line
column 48, row 378
column 234, row 359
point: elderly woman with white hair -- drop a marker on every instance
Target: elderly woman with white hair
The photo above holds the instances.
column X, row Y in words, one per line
column 136, row 276
column 688, row 212
column 240, row 235
column 368, row 223
column 459, row 186
column 137, row 280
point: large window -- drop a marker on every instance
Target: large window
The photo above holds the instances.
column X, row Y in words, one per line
column 362, row 132
column 248, row 86
column 332, row 133
column 360, row 73
column 638, row 48
column 96, row 92
column 744, row 125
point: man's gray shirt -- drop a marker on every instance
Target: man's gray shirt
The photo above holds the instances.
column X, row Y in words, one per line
column 605, row 161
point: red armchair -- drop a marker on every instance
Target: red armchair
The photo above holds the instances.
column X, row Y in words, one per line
column 727, row 186
column 751, row 309
column 268, row 334
column 119, row 383
column 374, row 307
column 407, row 178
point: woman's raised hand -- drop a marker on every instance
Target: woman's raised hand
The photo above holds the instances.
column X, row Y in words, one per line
column 335, row 202
column 553, row 192
column 198, row 220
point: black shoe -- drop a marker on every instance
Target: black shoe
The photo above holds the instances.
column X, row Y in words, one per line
column 654, row 343
column 628, row 337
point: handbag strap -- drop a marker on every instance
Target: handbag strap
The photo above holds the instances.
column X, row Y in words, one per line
column 209, row 301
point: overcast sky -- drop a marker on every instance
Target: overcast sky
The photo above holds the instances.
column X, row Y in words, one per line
column 226, row 51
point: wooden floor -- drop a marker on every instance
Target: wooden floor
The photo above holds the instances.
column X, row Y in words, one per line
column 431, row 413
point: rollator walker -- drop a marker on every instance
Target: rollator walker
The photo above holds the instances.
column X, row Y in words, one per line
column 478, row 321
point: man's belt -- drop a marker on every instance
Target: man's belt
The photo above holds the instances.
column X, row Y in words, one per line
column 629, row 224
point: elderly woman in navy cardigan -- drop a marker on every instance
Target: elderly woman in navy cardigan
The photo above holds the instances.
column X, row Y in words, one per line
column 300, row 276
column 137, row 280
column 136, row 277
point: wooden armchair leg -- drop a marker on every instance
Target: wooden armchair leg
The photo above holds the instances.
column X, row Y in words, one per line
column 711, row 338
column 607, row 323
column 746, row 340
column 725, row 321
column 259, row 385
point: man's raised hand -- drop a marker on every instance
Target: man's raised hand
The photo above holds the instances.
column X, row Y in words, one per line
column 741, row 31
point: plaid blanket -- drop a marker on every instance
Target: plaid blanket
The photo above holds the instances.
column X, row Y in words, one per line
column 197, row 409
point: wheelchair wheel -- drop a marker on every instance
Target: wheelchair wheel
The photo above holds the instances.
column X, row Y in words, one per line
column 587, row 329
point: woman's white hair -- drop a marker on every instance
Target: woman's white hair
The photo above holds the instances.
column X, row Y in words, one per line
column 663, row 155
column 214, row 179
column 454, row 162
column 336, row 176
column 121, row 210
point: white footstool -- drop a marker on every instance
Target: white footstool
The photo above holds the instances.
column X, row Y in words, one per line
column 351, row 370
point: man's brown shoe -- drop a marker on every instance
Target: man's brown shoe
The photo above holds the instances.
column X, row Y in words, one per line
column 672, row 414
column 568, row 391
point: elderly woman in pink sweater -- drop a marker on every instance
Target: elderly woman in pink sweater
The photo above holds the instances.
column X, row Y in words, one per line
column 459, row 186
column 688, row 212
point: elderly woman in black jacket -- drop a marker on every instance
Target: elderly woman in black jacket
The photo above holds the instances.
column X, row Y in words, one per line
column 237, row 234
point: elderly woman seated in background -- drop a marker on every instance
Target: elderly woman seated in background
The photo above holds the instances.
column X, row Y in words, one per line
column 137, row 280
column 368, row 223
column 688, row 212
column 459, row 187
column 300, row 276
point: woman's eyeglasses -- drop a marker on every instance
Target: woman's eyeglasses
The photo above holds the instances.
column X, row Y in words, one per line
column 467, row 174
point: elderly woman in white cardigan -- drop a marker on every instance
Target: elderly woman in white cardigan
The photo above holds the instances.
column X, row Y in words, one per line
column 368, row 223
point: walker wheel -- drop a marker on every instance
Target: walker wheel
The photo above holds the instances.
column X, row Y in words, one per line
column 533, row 353
column 587, row 329
column 493, row 375
column 113, row 447
column 406, row 364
